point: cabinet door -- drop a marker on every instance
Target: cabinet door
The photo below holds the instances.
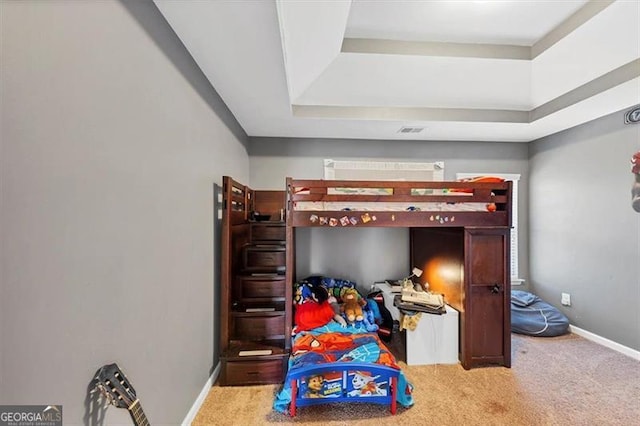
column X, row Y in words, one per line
column 487, row 298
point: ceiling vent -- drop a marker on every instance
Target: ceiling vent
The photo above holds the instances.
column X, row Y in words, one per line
column 406, row 129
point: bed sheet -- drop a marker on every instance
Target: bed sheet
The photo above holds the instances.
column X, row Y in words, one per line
column 456, row 204
column 334, row 344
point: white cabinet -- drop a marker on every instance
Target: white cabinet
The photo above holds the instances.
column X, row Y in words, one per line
column 435, row 339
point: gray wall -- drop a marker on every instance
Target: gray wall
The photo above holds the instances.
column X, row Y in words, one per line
column 584, row 235
column 367, row 255
column 112, row 141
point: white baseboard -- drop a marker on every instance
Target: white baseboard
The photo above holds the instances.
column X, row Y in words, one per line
column 200, row 399
column 606, row 342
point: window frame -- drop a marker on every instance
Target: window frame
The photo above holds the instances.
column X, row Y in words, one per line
column 396, row 170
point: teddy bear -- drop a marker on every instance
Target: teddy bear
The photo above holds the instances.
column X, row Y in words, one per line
column 352, row 304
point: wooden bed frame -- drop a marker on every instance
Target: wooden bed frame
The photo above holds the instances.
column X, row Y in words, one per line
column 388, row 374
column 476, row 242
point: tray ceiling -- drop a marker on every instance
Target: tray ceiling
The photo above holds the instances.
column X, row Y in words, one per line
column 462, row 70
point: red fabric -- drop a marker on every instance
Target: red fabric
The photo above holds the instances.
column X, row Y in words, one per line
column 490, row 179
column 635, row 160
column 310, row 315
column 324, row 342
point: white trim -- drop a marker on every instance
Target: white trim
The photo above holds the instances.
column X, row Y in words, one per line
column 200, row 399
column 606, row 342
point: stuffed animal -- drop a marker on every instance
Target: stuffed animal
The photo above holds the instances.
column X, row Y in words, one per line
column 383, row 318
column 306, row 291
column 372, row 305
column 369, row 321
column 352, row 304
column 410, row 321
column 303, row 293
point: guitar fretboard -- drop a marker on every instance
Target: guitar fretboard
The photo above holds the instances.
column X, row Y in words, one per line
column 137, row 414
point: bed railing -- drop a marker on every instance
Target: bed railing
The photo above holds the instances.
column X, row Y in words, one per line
column 398, row 203
column 237, row 200
column 345, row 388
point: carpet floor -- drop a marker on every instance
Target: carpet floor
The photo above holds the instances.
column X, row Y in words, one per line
column 565, row 380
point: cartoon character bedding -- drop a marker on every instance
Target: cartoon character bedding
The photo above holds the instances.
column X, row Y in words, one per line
column 337, row 361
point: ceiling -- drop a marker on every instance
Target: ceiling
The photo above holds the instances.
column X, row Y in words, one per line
column 509, row 71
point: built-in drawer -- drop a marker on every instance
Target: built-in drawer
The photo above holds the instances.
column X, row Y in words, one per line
column 264, row 257
column 251, row 287
column 258, row 326
column 254, row 372
column 268, row 232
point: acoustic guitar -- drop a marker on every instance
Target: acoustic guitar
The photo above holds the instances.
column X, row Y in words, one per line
column 116, row 388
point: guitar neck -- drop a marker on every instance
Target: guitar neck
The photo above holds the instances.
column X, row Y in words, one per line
column 137, row 414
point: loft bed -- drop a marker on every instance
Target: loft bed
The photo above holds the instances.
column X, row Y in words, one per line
column 465, row 224
column 327, row 363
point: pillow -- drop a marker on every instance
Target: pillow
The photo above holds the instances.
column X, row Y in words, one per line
column 337, row 286
column 304, row 290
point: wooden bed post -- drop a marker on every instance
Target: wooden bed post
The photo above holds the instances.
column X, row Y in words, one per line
column 294, row 395
column 394, row 393
column 289, row 261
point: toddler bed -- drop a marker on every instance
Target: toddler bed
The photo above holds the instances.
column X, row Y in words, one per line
column 334, row 363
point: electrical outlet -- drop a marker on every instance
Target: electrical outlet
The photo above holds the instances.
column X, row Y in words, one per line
column 566, row 299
